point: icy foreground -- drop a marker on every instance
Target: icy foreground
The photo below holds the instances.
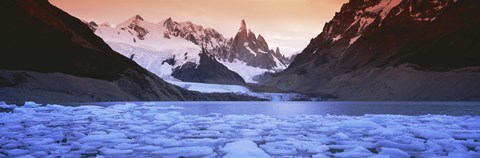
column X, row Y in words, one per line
column 153, row 131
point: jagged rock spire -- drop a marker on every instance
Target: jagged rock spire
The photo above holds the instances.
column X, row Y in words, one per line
column 138, row 17
column 243, row 26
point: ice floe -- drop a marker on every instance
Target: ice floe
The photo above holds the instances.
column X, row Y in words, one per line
column 145, row 130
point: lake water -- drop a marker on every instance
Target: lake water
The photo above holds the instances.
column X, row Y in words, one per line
column 317, row 108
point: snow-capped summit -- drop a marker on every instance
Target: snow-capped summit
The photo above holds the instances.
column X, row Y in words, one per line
column 208, row 38
column 134, row 20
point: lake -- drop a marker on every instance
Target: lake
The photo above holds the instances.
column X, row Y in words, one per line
column 316, row 108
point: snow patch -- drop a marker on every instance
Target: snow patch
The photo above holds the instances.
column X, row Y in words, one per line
column 248, row 73
column 336, row 38
column 354, row 39
column 384, row 7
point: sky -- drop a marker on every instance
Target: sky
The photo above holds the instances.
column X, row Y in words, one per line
column 288, row 24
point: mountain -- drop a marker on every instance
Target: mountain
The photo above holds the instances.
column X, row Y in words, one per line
column 209, row 70
column 254, row 50
column 51, row 56
column 392, row 50
column 151, row 44
column 250, row 56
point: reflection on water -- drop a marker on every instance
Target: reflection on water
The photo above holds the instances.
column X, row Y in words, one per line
column 317, row 108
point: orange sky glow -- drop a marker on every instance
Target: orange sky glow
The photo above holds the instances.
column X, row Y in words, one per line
column 288, row 24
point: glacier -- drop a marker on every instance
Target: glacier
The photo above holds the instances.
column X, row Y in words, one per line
column 145, row 130
column 237, row 89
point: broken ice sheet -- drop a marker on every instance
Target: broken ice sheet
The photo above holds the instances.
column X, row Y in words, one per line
column 149, row 131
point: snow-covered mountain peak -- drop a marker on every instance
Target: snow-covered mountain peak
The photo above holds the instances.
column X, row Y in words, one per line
column 168, row 23
column 254, row 51
column 139, row 18
column 132, row 20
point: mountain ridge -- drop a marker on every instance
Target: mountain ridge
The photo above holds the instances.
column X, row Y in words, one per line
column 379, row 37
column 171, row 32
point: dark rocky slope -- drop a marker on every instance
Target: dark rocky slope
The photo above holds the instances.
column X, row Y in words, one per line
column 208, row 71
column 50, row 56
column 392, row 50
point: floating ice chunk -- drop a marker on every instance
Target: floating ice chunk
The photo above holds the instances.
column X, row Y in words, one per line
column 316, row 148
column 103, row 137
column 149, row 103
column 147, row 148
column 431, row 134
column 379, row 156
column 194, row 151
column 360, row 124
column 169, row 116
column 203, row 142
column 167, row 142
column 30, row 104
column 249, row 132
column 340, row 135
column 467, row 135
column 243, row 148
column 319, row 156
column 26, row 156
column 355, row 152
column 384, row 132
column 393, row 152
column 236, row 117
column 472, row 123
column 404, row 147
column 97, row 133
column 6, row 106
column 280, row 148
column 39, row 154
column 265, row 126
column 180, row 127
column 126, row 106
column 171, row 107
column 44, row 141
column 17, row 152
column 124, row 146
column 221, row 127
column 109, row 151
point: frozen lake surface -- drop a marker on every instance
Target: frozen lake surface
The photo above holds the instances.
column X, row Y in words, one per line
column 242, row 129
